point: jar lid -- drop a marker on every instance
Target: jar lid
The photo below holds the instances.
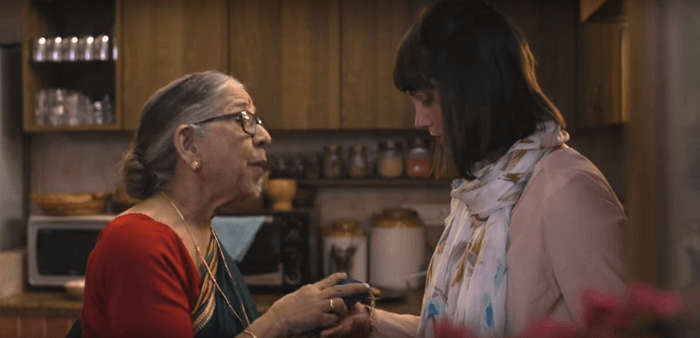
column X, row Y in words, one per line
column 332, row 147
column 345, row 227
column 398, row 217
column 358, row 148
column 418, row 142
column 390, row 144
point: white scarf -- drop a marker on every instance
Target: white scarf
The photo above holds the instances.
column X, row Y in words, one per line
column 467, row 278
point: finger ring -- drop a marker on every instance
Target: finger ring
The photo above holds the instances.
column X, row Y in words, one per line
column 330, row 302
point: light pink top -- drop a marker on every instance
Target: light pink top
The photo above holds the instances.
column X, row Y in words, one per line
column 565, row 237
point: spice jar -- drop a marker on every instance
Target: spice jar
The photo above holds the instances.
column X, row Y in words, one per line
column 332, row 162
column 390, row 159
column 419, row 158
column 358, row 164
column 296, row 167
column 313, row 167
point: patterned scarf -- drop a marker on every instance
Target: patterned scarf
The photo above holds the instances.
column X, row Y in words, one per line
column 467, row 277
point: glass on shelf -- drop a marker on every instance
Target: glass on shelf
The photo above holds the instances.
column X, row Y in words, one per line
column 71, row 49
column 102, row 47
column 40, row 49
column 87, row 46
column 54, row 49
column 62, row 107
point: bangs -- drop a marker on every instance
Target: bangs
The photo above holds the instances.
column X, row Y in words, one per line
column 412, row 70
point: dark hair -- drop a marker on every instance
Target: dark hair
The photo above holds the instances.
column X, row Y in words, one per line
column 150, row 160
column 484, row 72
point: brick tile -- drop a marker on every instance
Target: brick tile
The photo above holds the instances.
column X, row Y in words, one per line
column 8, row 326
column 32, row 327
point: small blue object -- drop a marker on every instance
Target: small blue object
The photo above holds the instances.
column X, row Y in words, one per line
column 489, row 315
column 349, row 301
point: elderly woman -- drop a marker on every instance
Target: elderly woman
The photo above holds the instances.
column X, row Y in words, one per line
column 158, row 269
column 532, row 222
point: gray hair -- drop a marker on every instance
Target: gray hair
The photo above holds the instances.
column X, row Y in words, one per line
column 150, row 160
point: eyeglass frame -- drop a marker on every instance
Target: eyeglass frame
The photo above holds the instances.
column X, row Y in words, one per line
column 238, row 116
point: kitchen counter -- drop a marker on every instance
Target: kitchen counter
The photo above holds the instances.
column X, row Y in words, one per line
column 60, row 304
column 45, row 303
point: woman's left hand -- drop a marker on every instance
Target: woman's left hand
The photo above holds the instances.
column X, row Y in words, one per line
column 356, row 324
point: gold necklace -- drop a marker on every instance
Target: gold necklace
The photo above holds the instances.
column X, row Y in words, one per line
column 206, row 265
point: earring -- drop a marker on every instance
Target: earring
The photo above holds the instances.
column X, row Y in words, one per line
column 195, row 165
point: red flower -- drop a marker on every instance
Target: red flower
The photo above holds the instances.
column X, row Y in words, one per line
column 603, row 312
column 550, row 328
column 660, row 304
column 445, row 329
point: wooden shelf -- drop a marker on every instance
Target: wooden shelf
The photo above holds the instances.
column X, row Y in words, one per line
column 374, row 182
column 92, row 127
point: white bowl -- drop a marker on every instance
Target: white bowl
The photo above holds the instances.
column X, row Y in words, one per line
column 75, row 288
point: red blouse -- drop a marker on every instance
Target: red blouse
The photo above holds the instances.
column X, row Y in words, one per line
column 140, row 282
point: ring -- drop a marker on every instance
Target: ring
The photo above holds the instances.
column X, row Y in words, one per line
column 330, row 302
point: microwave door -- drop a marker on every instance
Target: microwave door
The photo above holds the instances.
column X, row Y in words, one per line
column 262, row 264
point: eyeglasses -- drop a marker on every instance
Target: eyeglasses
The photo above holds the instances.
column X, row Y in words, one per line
column 249, row 122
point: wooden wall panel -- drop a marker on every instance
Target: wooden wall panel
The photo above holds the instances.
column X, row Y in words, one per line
column 163, row 40
column 287, row 55
column 370, row 33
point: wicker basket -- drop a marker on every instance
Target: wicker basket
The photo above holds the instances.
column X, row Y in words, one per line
column 71, row 204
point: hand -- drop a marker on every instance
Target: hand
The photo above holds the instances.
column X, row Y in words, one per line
column 356, row 324
column 315, row 305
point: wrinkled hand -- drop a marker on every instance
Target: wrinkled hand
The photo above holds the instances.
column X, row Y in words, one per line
column 356, row 324
column 310, row 306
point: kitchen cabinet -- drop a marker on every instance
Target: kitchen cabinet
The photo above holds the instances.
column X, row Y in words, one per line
column 93, row 78
column 603, row 74
column 550, row 28
column 287, row 53
column 370, row 34
column 163, row 40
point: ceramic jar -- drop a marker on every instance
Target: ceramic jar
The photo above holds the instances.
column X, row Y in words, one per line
column 397, row 248
column 345, row 249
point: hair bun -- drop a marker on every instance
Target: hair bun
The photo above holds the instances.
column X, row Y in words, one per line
column 138, row 179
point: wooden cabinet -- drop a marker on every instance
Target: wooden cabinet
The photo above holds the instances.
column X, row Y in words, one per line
column 312, row 64
column 287, row 53
column 370, row 33
column 603, row 74
column 163, row 40
column 66, row 77
column 322, row 64
column 550, row 28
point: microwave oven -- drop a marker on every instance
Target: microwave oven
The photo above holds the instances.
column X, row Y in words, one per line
column 58, row 247
column 284, row 255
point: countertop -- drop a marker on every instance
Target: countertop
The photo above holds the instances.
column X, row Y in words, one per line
column 60, row 304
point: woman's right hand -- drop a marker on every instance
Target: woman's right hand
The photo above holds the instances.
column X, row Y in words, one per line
column 315, row 305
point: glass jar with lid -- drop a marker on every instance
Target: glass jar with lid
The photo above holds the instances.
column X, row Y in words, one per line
column 358, row 166
column 390, row 159
column 332, row 162
column 419, row 158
